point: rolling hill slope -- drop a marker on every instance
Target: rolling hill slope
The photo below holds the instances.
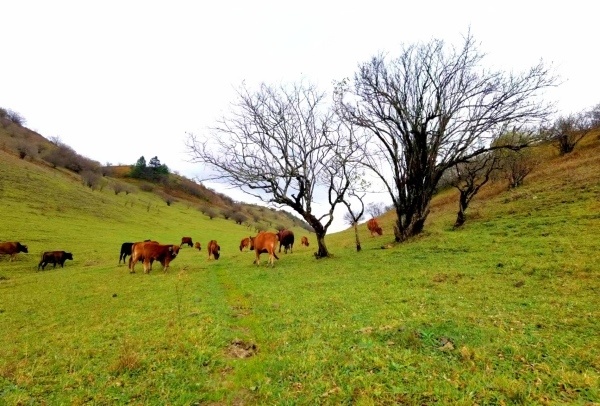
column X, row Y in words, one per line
column 502, row 311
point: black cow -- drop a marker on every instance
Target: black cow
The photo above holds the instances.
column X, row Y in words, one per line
column 125, row 251
column 55, row 257
column 286, row 239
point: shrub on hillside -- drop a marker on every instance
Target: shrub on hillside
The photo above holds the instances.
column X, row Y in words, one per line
column 146, row 187
column 118, row 187
column 239, row 218
column 91, row 179
column 210, row 212
column 12, row 116
column 64, row 156
column 167, row 198
column 227, row 213
column 26, row 149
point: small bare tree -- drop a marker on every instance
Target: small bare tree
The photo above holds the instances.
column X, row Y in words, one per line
column 469, row 178
column 515, row 165
column 567, row 131
column 594, row 116
column 283, row 146
column 352, row 217
column 376, row 209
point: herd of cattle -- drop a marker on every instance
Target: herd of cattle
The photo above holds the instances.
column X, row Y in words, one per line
column 149, row 251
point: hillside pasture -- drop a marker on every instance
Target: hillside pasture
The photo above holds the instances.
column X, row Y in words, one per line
column 502, row 311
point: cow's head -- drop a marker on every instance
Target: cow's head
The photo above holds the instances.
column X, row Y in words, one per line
column 379, row 231
column 69, row 255
column 22, row 248
column 251, row 243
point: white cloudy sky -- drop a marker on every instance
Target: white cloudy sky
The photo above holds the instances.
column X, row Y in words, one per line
column 116, row 80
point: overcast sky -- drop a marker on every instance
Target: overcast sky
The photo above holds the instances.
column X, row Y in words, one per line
column 116, row 80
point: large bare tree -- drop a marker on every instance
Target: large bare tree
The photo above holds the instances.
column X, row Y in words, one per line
column 285, row 146
column 430, row 109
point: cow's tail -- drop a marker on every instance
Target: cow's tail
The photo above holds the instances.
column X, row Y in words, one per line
column 275, row 255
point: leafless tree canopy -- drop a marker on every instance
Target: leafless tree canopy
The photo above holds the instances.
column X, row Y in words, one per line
column 376, row 209
column 284, row 146
column 430, row 109
column 469, row 178
column 514, row 165
column 567, row 131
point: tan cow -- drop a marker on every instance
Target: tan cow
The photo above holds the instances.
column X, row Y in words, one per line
column 304, row 241
column 198, row 246
column 264, row 242
column 373, row 227
column 12, row 248
column 151, row 251
column 213, row 249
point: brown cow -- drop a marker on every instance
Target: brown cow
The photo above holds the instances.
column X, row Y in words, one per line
column 244, row 243
column 126, row 250
column 198, row 246
column 373, row 227
column 12, row 248
column 304, row 241
column 187, row 240
column 286, row 239
column 56, row 257
column 151, row 251
column 264, row 242
column 213, row 249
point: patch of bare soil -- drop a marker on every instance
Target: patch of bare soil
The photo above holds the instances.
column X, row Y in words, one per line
column 241, row 349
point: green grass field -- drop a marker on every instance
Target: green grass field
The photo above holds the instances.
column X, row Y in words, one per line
column 502, row 311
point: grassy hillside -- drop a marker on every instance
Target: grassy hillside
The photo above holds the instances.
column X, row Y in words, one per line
column 503, row 311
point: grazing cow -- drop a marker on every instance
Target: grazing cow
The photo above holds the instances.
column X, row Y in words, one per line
column 373, row 227
column 151, row 251
column 286, row 239
column 304, row 241
column 198, row 246
column 12, row 248
column 244, row 243
column 214, row 249
column 54, row 257
column 126, row 250
column 264, row 242
column 187, row 240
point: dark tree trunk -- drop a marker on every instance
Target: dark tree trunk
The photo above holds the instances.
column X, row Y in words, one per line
column 322, row 248
column 358, row 248
column 320, row 232
column 409, row 225
column 461, row 216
